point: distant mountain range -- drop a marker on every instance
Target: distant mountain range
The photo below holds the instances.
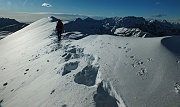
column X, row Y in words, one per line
column 8, row 26
column 144, row 28
column 127, row 26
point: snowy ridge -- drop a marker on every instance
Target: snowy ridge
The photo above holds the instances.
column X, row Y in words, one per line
column 90, row 71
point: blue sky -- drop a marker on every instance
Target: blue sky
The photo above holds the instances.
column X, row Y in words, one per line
column 31, row 10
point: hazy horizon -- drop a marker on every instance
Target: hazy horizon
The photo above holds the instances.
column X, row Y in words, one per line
column 32, row 10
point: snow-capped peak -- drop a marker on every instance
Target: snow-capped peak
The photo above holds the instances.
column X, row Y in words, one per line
column 109, row 26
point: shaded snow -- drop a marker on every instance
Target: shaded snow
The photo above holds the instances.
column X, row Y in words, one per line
column 95, row 71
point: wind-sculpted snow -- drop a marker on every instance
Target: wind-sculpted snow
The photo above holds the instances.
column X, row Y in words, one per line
column 87, row 76
column 70, row 66
column 172, row 43
column 87, row 70
column 106, row 96
column 103, row 99
column 73, row 53
column 177, row 87
column 1, row 102
column 89, row 73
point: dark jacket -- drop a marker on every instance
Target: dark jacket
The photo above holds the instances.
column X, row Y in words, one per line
column 59, row 26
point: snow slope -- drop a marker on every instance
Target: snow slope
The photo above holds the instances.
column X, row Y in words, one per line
column 95, row 71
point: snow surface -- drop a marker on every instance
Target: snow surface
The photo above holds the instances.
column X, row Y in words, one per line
column 94, row 71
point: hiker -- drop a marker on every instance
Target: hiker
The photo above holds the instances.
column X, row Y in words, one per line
column 59, row 28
